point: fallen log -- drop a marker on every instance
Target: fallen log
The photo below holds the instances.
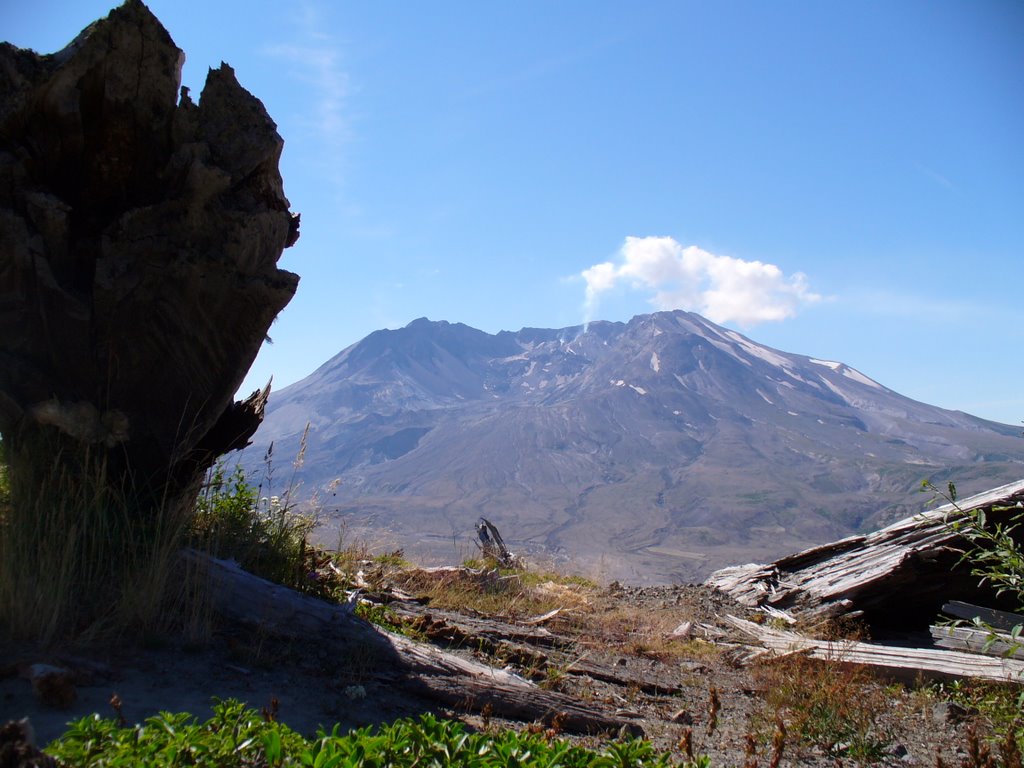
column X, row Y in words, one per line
column 902, row 662
column 492, row 630
column 898, row 576
column 605, row 674
column 421, row 669
column 974, row 640
column 518, row 644
column 1003, row 620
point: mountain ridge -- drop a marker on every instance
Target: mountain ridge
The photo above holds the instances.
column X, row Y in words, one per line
column 652, row 450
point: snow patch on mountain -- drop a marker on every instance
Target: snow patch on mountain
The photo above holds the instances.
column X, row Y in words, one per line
column 827, row 363
column 848, row 399
column 761, row 353
column 860, row 378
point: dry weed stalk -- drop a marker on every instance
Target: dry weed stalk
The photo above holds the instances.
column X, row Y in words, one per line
column 714, row 705
column 778, row 743
column 686, row 744
column 750, row 751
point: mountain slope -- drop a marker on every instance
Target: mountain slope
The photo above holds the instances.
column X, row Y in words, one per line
column 653, row 450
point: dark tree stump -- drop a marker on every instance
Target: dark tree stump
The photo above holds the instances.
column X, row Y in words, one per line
column 139, row 240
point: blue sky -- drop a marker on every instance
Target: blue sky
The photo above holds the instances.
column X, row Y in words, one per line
column 841, row 179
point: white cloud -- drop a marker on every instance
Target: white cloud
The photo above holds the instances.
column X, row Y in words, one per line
column 722, row 288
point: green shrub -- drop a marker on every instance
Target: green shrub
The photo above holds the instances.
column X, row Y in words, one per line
column 236, row 736
column 994, row 553
column 263, row 534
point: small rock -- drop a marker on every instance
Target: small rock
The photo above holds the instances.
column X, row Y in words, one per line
column 684, row 631
column 951, row 712
column 682, row 717
column 631, row 730
column 899, row 750
column 53, row 686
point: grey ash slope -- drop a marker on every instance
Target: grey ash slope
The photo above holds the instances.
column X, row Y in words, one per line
column 654, row 450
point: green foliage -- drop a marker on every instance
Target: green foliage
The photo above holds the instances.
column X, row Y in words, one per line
column 996, row 558
column 263, row 534
column 383, row 616
column 1000, row 707
column 268, row 538
column 994, row 553
column 235, row 736
column 393, row 559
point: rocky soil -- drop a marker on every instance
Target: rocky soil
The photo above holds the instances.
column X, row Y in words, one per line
column 611, row 649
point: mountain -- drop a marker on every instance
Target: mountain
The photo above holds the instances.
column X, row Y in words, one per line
column 649, row 451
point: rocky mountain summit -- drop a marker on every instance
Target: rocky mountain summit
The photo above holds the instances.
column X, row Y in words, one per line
column 649, row 451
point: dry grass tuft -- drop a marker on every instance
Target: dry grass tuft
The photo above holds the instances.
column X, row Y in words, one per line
column 511, row 594
column 80, row 563
column 833, row 706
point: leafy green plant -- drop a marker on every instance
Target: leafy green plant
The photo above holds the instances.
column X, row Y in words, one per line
column 237, row 737
column 385, row 617
column 999, row 708
column 994, row 551
column 994, row 554
column 264, row 534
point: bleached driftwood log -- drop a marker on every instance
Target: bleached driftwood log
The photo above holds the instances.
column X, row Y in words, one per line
column 899, row 575
column 523, row 645
column 907, row 662
column 1003, row 620
column 974, row 640
column 421, row 669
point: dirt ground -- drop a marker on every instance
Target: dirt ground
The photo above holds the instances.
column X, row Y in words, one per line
column 617, row 655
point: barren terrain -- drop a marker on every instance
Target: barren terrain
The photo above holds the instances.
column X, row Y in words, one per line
column 611, row 649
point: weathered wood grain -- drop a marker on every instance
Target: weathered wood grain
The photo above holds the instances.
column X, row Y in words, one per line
column 973, row 640
column 1003, row 620
column 906, row 661
column 901, row 574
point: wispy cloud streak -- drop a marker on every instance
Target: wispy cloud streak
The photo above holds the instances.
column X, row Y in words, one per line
column 314, row 59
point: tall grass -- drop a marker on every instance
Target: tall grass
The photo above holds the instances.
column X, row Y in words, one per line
column 88, row 558
column 81, row 560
